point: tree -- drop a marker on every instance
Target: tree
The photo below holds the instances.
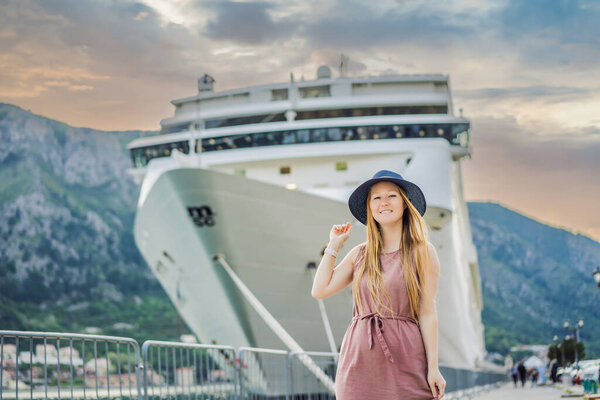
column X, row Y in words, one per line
column 567, row 346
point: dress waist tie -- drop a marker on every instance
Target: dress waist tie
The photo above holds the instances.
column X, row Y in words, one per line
column 378, row 320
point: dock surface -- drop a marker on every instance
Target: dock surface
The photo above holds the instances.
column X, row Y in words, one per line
column 509, row 392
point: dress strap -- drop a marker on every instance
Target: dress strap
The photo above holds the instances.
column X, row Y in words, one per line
column 374, row 318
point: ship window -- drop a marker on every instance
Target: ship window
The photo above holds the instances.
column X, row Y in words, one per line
column 362, row 133
column 251, row 119
column 288, row 137
column 314, row 91
column 456, row 134
column 334, row 134
column 311, row 92
column 341, row 166
column 279, row 94
column 371, row 111
column 175, row 128
column 349, row 133
column 318, row 135
column 304, row 136
column 285, row 170
column 141, row 156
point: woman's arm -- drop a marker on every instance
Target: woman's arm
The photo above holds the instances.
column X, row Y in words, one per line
column 428, row 322
column 329, row 280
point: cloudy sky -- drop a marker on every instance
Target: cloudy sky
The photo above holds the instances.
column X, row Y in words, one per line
column 524, row 72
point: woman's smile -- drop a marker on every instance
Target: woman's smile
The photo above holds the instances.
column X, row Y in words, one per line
column 386, row 202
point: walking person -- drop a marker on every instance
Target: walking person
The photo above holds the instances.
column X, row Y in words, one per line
column 554, row 371
column 514, row 371
column 390, row 349
column 533, row 372
column 522, row 373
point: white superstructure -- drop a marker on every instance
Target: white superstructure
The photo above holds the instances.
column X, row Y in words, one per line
column 254, row 178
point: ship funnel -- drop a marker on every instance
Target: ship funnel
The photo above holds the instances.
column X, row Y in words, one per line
column 205, row 84
column 323, row 72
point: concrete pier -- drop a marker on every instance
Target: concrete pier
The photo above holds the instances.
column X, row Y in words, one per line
column 509, row 392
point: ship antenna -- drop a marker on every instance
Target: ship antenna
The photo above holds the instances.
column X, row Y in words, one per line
column 342, row 65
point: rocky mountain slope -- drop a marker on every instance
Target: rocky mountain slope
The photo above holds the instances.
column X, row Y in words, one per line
column 534, row 277
column 67, row 256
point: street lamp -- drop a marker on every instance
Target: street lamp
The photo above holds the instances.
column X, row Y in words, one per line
column 575, row 330
column 562, row 350
column 596, row 275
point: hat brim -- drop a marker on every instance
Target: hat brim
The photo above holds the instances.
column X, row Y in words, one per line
column 358, row 199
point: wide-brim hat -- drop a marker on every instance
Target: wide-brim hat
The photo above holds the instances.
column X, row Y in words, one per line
column 358, row 198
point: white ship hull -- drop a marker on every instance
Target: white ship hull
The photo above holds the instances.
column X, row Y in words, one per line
column 269, row 235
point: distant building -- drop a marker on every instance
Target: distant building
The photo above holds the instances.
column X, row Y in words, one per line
column 123, row 325
column 9, row 349
column 184, row 376
column 48, row 349
column 6, row 378
column 98, row 366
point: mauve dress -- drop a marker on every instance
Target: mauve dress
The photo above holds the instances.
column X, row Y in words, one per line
column 383, row 358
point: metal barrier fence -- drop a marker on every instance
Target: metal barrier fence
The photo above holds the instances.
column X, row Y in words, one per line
column 188, row 370
column 304, row 382
column 48, row 365
column 52, row 365
column 458, row 379
column 262, row 373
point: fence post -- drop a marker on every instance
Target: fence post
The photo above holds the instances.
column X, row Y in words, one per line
column 289, row 376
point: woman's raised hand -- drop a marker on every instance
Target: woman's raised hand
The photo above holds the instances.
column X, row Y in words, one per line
column 339, row 234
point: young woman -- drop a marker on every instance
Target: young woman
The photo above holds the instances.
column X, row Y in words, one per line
column 390, row 349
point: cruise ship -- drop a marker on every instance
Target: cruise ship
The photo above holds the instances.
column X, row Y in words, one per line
column 241, row 187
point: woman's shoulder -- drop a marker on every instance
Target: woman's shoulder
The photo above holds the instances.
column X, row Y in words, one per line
column 358, row 252
column 431, row 249
column 360, row 248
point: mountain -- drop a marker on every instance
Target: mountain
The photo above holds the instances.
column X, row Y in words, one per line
column 68, row 260
column 534, row 277
column 67, row 255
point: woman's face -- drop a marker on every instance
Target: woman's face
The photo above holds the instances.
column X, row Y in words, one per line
column 387, row 206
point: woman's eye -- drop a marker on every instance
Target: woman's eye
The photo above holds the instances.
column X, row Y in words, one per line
column 392, row 195
column 376, row 198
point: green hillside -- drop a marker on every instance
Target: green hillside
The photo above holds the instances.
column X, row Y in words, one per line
column 534, row 277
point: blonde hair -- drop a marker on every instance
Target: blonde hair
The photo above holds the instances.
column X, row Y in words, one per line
column 413, row 252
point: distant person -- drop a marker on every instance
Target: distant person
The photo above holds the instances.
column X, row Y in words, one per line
column 390, row 349
column 533, row 372
column 514, row 371
column 522, row 373
column 541, row 371
column 554, row 371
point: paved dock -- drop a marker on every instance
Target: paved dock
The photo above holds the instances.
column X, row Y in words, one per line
column 509, row 392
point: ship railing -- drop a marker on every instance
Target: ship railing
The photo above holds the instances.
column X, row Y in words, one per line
column 50, row 365
column 303, row 380
column 188, row 371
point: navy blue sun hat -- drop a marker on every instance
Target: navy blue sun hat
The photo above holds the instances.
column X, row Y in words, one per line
column 358, row 198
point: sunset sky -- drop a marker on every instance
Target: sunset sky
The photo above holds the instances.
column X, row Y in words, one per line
column 525, row 72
